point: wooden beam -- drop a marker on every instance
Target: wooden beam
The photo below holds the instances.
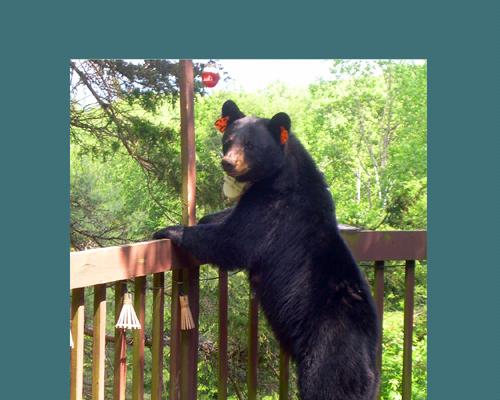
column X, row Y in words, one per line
column 387, row 245
column 111, row 264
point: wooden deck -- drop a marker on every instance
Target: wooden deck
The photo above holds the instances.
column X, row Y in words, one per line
column 96, row 269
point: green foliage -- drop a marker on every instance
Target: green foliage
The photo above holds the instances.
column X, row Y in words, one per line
column 105, row 208
column 375, row 129
column 392, row 360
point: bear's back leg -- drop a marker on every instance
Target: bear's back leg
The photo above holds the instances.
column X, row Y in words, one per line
column 341, row 369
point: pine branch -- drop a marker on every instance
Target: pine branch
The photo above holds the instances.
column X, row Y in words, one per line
column 110, row 112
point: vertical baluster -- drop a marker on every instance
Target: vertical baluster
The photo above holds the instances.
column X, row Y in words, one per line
column 284, row 374
column 175, row 337
column 77, row 321
column 189, row 338
column 157, row 347
column 189, row 346
column 253, row 319
column 379, row 300
column 120, row 360
column 222, row 338
column 99, row 342
column 139, row 339
column 408, row 327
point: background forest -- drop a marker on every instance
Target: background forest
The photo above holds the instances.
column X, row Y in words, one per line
column 366, row 128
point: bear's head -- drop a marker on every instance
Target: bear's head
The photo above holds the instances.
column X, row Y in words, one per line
column 254, row 148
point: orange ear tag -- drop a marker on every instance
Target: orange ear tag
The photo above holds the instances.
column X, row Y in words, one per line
column 284, row 135
column 221, row 124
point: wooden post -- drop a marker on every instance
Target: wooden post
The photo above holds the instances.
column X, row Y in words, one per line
column 253, row 345
column 157, row 347
column 222, row 340
column 189, row 338
column 284, row 374
column 139, row 339
column 120, row 361
column 408, row 327
column 77, row 321
column 175, row 337
column 99, row 343
column 379, row 300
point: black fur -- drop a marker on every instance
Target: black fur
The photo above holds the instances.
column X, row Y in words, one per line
column 284, row 231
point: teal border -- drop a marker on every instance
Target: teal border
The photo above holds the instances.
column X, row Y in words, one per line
column 461, row 43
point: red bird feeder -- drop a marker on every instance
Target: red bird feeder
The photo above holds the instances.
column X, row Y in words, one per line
column 210, row 75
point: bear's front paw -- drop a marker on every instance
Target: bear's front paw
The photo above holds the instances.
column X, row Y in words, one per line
column 173, row 233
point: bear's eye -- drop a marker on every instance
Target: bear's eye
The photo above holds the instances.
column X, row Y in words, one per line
column 248, row 144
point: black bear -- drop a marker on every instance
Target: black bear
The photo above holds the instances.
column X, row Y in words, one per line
column 283, row 230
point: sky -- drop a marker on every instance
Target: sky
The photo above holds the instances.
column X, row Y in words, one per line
column 252, row 75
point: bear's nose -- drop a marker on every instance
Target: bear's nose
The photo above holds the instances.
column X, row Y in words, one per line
column 227, row 165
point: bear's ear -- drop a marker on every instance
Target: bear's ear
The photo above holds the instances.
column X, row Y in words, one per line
column 280, row 126
column 230, row 113
column 229, row 108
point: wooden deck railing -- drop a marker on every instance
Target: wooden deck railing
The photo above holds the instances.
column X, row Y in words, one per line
column 93, row 271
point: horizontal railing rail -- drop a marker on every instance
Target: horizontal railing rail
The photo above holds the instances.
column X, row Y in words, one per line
column 97, row 269
column 112, row 264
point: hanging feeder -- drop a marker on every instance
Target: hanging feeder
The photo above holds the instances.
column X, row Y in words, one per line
column 210, row 75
